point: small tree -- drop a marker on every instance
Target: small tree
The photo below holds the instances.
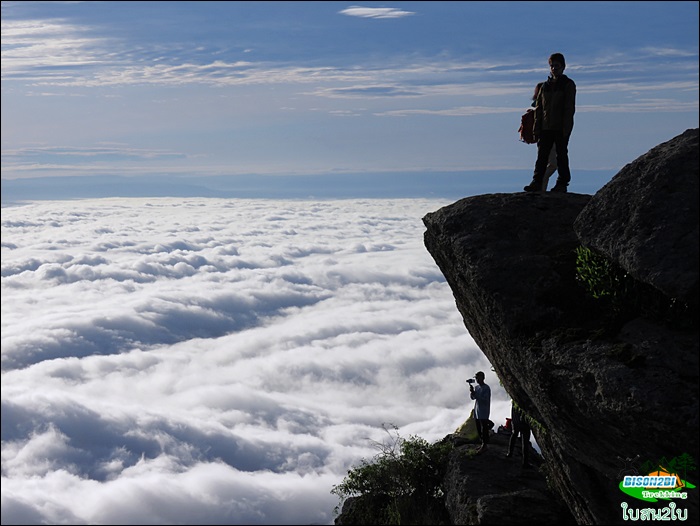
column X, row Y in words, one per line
column 402, row 482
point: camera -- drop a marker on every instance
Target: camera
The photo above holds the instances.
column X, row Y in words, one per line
column 471, row 380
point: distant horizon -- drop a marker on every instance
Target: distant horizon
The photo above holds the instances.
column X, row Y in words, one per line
column 377, row 185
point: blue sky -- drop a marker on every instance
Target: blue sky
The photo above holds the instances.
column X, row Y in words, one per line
column 198, row 89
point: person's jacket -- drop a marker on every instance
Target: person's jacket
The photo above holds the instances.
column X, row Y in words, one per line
column 482, row 405
column 555, row 106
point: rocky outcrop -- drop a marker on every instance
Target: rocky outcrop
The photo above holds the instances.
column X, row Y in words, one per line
column 489, row 488
column 486, row 488
column 646, row 218
column 603, row 393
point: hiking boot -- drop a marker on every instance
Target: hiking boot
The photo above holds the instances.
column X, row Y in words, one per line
column 559, row 188
column 533, row 187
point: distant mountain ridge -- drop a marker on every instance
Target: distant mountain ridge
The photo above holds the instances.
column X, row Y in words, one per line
column 386, row 185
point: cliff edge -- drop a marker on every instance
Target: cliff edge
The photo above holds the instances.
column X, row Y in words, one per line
column 612, row 385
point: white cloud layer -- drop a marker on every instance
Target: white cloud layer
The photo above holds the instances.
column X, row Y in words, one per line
column 210, row 361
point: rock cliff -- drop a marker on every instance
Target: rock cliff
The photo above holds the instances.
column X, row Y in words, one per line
column 609, row 385
column 611, row 381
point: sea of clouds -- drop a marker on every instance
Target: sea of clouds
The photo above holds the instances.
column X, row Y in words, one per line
column 218, row 361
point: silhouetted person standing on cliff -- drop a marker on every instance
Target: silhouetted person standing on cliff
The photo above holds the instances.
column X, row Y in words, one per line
column 552, row 159
column 554, row 120
column 481, row 394
column 520, row 427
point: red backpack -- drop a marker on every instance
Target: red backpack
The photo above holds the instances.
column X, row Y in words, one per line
column 527, row 127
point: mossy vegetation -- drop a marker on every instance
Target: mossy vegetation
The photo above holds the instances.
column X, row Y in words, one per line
column 621, row 297
column 534, row 424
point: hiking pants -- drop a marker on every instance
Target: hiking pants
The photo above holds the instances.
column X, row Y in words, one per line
column 546, row 140
column 482, row 427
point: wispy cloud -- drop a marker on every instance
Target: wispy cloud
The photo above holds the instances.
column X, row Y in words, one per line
column 367, row 92
column 89, row 160
column 54, row 53
column 462, row 111
column 110, row 152
column 641, row 106
column 375, row 12
column 669, row 52
column 47, row 49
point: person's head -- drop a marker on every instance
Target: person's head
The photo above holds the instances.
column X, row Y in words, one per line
column 557, row 64
column 480, row 377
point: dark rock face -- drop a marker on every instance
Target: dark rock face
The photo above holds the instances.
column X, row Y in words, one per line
column 601, row 396
column 491, row 489
column 646, row 217
column 508, row 259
